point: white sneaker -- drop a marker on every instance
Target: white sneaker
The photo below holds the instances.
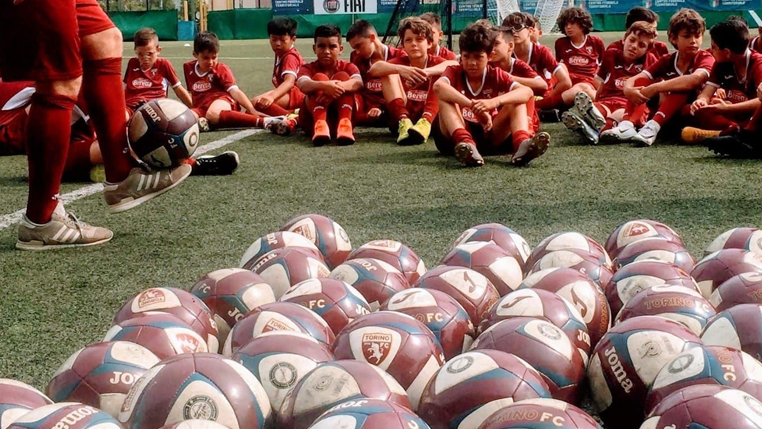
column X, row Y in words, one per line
column 625, row 131
column 575, row 123
column 590, row 113
column 647, row 135
column 269, row 121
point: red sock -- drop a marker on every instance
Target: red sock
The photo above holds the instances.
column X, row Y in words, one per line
column 709, row 120
column 398, row 109
column 233, row 119
column 462, row 136
column 635, row 113
column 610, row 123
column 518, row 137
column 431, row 107
column 78, row 160
column 47, row 132
column 672, row 104
column 753, row 124
column 103, row 91
column 550, row 102
column 346, row 105
column 275, row 110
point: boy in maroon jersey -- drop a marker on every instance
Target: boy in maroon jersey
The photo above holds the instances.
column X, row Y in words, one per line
column 286, row 97
column 367, row 50
column 590, row 119
column 535, row 32
column 639, row 13
column 406, row 82
column 580, row 52
column 676, row 76
column 149, row 77
column 216, row 97
column 738, row 71
column 436, row 26
column 330, row 86
column 481, row 108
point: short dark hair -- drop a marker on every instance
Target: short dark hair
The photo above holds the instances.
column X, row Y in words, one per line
column 639, row 13
column 477, row 38
column 575, row 15
column 731, row 34
column 688, row 20
column 642, row 28
column 206, row 41
column 518, row 20
column 327, row 30
column 432, row 18
column 144, row 36
column 360, row 28
column 534, row 19
column 282, row 27
column 418, row 26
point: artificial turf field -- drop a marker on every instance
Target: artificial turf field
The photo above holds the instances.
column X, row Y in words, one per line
column 54, row 303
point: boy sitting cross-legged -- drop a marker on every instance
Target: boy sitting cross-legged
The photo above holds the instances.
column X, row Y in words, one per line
column 406, row 82
column 330, row 86
column 676, row 77
column 639, row 13
column 481, row 108
column 590, row 119
column 436, row 27
column 737, row 72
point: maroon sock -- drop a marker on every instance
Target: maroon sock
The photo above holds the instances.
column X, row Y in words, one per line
column 103, row 91
column 48, row 132
column 550, row 102
column 462, row 136
column 398, row 109
column 518, row 137
column 233, row 119
column 275, row 110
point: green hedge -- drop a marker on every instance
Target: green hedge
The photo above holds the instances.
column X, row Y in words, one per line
column 163, row 21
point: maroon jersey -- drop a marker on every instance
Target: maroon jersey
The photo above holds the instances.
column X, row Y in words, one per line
column 207, row 87
column 417, row 96
column 756, row 44
column 442, row 52
column 582, row 60
column 666, row 66
column 372, row 85
column 738, row 90
column 148, row 84
column 614, row 72
column 495, row 82
column 542, row 61
column 658, row 49
column 287, row 64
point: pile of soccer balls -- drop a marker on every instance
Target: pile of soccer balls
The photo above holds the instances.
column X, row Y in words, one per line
column 311, row 334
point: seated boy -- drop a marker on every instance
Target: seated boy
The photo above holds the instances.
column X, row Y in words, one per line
column 330, row 86
column 406, row 82
column 481, row 109
column 367, row 50
column 590, row 119
column 737, row 72
column 746, row 142
column 639, row 13
column 436, row 26
column 285, row 97
column 216, row 97
column 676, row 76
column 148, row 76
column 536, row 31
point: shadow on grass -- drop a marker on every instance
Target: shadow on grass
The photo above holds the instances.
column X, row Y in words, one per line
column 14, row 181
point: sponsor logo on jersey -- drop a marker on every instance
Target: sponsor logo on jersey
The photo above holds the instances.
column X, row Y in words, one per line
column 735, row 96
column 589, row 49
column 200, row 407
column 578, row 61
column 376, row 346
column 142, row 83
column 619, row 82
column 202, row 86
column 468, row 114
column 417, row 95
column 373, row 85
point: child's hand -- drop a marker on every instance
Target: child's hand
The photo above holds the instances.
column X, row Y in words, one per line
column 263, row 102
column 374, row 112
column 635, row 95
column 333, row 89
column 413, row 76
column 717, row 105
column 698, row 105
column 721, row 93
column 481, row 107
column 485, row 120
column 759, row 91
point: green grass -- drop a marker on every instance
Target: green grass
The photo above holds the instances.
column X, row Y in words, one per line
column 54, row 303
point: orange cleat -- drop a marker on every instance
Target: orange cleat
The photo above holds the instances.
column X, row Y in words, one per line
column 344, row 135
column 321, row 135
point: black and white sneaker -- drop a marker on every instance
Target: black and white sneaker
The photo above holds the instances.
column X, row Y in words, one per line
column 223, row 164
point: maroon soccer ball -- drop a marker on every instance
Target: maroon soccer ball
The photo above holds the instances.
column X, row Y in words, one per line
column 569, row 240
column 474, row 384
column 580, row 260
column 335, row 301
column 504, row 237
column 502, row 269
column 17, row 399
column 178, row 302
column 230, row 294
column 707, row 406
column 737, row 238
column 333, row 383
column 163, row 133
column 635, row 230
column 195, row 424
column 471, row 289
column 278, row 316
column 659, row 249
column 395, row 254
column 539, row 413
column 164, row 334
column 101, row 375
column 395, row 342
column 279, row 240
column 581, row 292
column 543, row 346
column 327, row 235
column 439, row 312
column 739, row 327
column 720, row 266
column 672, row 302
column 66, row 415
column 376, row 280
column 368, row 414
column 744, row 288
column 283, row 268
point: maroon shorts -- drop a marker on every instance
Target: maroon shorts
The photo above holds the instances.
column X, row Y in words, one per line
column 362, row 107
column 40, row 39
column 612, row 104
column 295, row 99
column 483, row 139
column 581, row 78
column 202, row 109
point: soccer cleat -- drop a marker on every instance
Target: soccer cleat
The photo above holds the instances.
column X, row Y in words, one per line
column 141, row 186
column 269, row 121
column 625, row 131
column 584, row 104
column 344, row 135
column 294, row 116
column 420, row 131
column 223, row 164
column 467, row 154
column 203, row 125
column 530, row 149
column 284, row 127
column 63, row 231
column 402, row 131
column 692, row 135
column 575, row 123
column 321, row 135
column 743, row 144
column 549, row 115
column 647, row 135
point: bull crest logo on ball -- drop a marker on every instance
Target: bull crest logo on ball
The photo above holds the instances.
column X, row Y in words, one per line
column 200, row 407
column 188, row 344
column 151, row 297
column 376, row 347
column 636, row 229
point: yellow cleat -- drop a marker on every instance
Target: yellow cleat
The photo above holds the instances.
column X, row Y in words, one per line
column 420, row 132
column 403, row 131
column 692, row 135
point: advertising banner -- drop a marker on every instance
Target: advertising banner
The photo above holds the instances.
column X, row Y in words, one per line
column 339, row 7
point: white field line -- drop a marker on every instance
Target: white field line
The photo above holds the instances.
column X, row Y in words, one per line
column 85, row 191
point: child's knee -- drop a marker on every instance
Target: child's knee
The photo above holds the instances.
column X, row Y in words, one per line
column 342, row 76
column 320, row 77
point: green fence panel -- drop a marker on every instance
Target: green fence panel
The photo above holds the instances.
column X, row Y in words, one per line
column 163, row 21
column 222, row 23
column 252, row 23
